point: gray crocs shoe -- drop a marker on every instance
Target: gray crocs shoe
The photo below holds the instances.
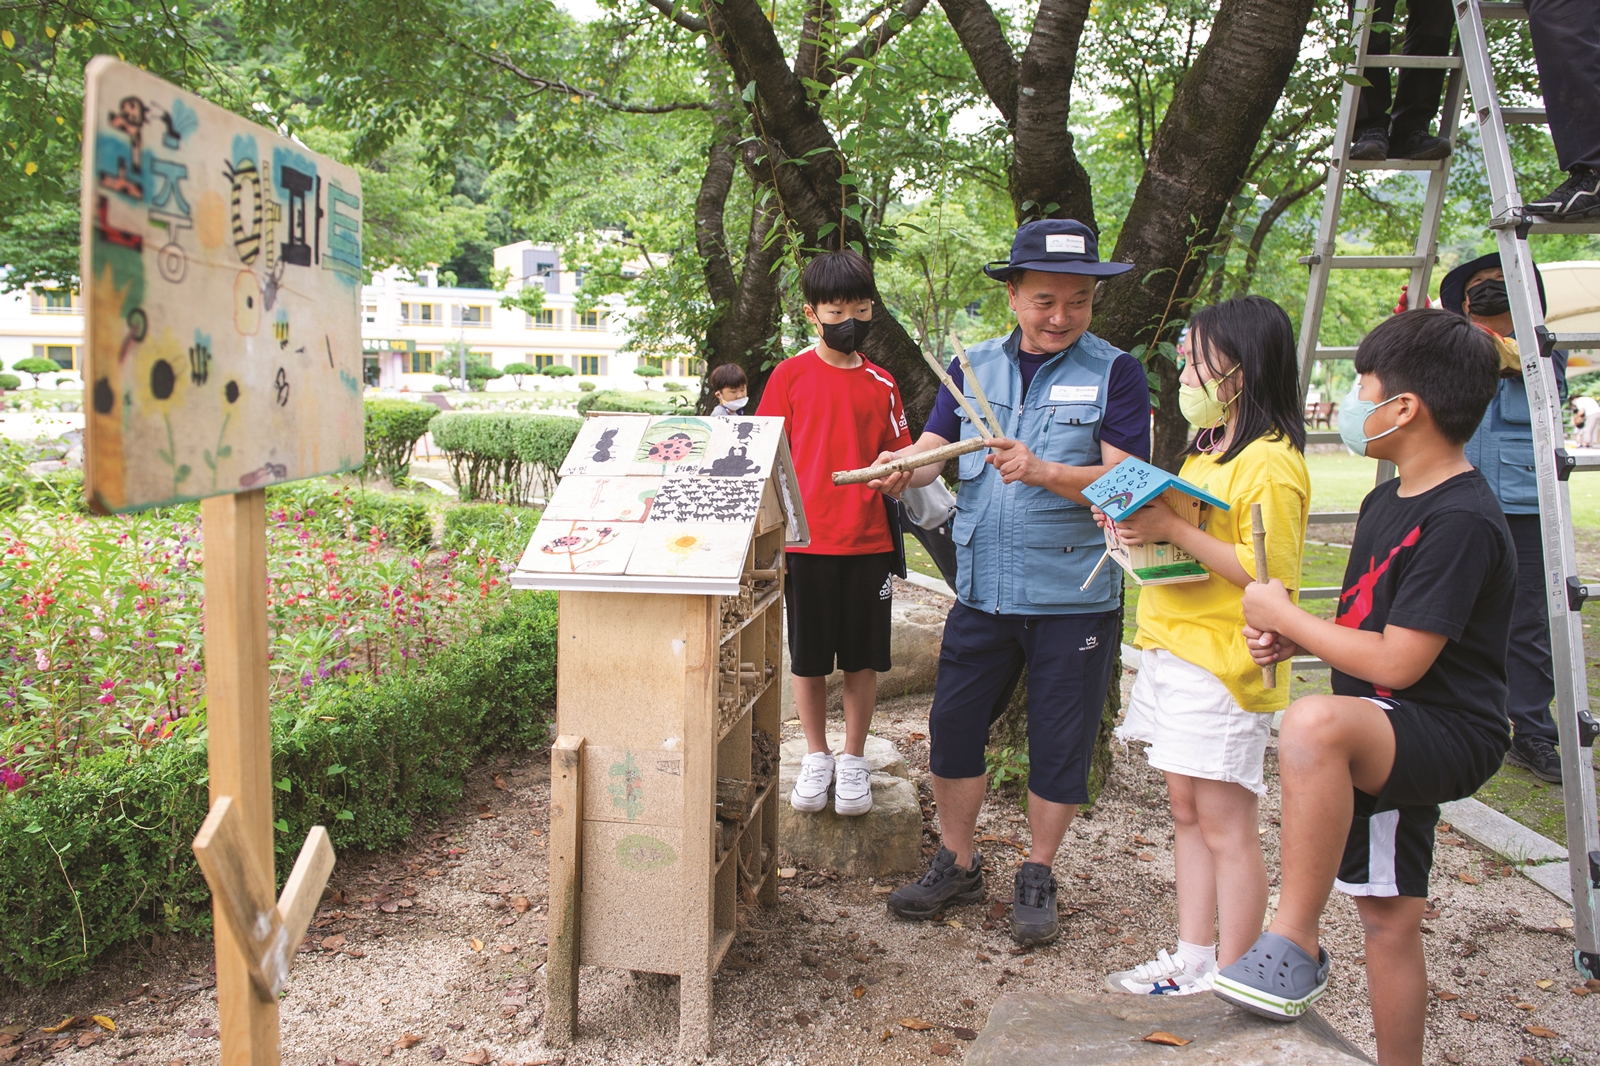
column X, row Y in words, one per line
column 1275, row 979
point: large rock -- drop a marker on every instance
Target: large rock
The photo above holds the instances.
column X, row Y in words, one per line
column 886, row 840
column 1034, row 1029
column 917, row 630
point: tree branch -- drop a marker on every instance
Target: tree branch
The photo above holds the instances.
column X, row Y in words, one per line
column 557, row 85
column 873, row 40
column 985, row 43
column 675, row 11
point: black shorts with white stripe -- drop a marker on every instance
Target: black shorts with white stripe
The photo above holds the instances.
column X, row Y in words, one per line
column 1439, row 756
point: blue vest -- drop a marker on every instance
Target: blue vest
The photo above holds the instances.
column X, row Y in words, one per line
column 1502, row 446
column 1021, row 549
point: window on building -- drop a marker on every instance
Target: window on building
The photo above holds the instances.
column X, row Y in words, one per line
column 63, row 355
column 592, row 365
column 544, row 318
column 56, row 302
column 369, row 312
column 474, row 316
column 542, row 361
column 588, row 319
column 422, row 362
column 419, row 314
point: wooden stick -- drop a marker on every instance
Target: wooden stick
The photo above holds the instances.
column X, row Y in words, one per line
column 950, row 384
column 566, row 842
column 1258, row 532
column 943, row 453
column 1095, row 572
column 977, row 389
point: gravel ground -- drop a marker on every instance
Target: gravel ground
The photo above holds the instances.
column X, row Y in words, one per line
column 432, row 952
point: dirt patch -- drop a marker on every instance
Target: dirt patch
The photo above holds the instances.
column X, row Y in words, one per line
column 433, row 953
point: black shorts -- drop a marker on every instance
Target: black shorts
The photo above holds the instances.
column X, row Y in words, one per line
column 1069, row 658
column 838, row 606
column 1439, row 756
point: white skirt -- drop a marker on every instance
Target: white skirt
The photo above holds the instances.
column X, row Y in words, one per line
column 1192, row 723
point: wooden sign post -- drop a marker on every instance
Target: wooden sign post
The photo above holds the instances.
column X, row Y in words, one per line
column 221, row 269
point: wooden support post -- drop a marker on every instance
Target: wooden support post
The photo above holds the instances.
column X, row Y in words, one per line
column 240, row 749
column 566, row 847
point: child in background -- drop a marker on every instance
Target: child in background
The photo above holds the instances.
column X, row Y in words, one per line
column 840, row 412
column 1199, row 701
column 730, row 387
column 1418, row 658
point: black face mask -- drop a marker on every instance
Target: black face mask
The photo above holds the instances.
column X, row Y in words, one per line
column 1488, row 299
column 846, row 336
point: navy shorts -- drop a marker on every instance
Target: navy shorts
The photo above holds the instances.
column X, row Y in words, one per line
column 1069, row 657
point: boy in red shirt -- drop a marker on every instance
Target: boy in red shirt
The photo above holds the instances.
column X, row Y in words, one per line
column 841, row 412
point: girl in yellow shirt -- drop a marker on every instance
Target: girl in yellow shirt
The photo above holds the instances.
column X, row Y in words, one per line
column 1198, row 700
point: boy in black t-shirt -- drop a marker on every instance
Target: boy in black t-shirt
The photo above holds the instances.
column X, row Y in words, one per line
column 1418, row 653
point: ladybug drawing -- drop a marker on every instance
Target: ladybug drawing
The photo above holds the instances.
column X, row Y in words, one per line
column 671, row 449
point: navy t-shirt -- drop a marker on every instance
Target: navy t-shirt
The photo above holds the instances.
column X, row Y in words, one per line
column 1125, row 423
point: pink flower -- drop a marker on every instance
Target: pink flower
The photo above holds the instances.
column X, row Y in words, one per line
column 10, row 780
column 40, row 659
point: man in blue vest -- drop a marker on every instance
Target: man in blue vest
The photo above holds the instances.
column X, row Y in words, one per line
column 1071, row 406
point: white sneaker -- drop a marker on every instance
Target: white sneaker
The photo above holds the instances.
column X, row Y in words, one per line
column 1162, row 976
column 810, row 793
column 852, row 787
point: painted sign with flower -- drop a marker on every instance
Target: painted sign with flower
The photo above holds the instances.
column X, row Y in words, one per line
column 221, row 268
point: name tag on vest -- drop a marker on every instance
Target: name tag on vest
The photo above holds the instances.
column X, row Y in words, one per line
column 1074, row 393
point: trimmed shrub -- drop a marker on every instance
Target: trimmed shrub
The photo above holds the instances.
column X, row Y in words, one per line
column 518, row 371
column 480, row 374
column 102, row 857
column 620, row 401
column 509, row 456
column 558, row 370
column 673, row 386
column 586, row 386
column 393, row 429
column 37, row 367
column 9, row 382
column 647, row 372
column 489, row 528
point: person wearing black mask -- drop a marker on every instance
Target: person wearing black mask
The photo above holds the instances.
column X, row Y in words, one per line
column 1502, row 449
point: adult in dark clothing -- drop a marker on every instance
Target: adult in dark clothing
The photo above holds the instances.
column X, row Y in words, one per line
column 1502, row 450
column 1566, row 47
column 1398, row 128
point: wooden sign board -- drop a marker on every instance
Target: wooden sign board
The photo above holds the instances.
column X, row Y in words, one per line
column 221, row 277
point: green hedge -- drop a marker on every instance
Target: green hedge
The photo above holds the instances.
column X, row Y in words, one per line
column 509, row 456
column 490, row 528
column 369, row 759
column 393, row 429
column 608, row 400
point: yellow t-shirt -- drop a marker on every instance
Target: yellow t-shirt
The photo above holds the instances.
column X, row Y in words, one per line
column 1201, row 621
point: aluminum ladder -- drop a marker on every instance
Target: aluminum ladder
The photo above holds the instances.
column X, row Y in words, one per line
column 1565, row 590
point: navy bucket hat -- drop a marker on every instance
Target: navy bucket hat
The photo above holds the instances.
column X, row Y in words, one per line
column 1056, row 246
column 1454, row 286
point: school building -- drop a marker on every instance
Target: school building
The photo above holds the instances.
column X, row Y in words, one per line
column 412, row 327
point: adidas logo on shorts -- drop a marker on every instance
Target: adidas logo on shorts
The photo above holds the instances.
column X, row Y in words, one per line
column 887, row 592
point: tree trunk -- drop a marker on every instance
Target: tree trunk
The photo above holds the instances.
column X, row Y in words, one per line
column 1197, row 157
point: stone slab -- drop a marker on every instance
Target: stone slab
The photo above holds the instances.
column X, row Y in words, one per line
column 882, row 757
column 1034, row 1029
column 886, row 840
column 1482, row 824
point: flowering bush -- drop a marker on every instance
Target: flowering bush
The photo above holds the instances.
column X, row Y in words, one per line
column 101, row 620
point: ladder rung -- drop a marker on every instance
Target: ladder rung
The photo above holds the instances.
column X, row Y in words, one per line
column 1323, row 437
column 1577, row 340
column 1324, row 354
column 1502, row 12
column 1333, row 518
column 1585, row 461
column 1321, row 592
column 1525, row 116
column 1410, row 62
column 1307, row 662
column 1379, row 262
column 1591, row 225
column 1394, row 164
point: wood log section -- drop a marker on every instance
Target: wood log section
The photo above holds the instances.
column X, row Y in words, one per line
column 761, row 575
column 735, row 797
column 941, row 454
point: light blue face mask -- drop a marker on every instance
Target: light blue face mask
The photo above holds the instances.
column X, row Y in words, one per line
column 1353, row 415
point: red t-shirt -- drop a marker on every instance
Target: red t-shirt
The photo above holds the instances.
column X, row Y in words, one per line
column 837, row 420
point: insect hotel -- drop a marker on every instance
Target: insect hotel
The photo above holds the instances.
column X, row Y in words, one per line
column 665, row 539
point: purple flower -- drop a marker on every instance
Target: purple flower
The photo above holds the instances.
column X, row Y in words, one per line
column 10, row 780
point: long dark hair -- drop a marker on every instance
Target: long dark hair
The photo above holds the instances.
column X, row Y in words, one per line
column 1255, row 333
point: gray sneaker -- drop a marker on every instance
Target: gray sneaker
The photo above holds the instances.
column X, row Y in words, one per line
column 1275, row 978
column 1033, row 905
column 944, row 885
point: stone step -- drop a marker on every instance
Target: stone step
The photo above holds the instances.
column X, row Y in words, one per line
column 886, row 840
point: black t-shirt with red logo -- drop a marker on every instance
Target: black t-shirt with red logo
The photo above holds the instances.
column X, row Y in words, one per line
column 1442, row 562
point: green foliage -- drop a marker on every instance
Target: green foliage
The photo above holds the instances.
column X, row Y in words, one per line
column 674, row 386
column 586, row 386
column 102, row 856
column 480, row 374
column 1007, row 768
column 608, row 400
column 37, row 366
column 492, row 529
column 440, row 386
column 646, row 371
column 334, row 511
column 560, row 370
column 393, row 429
column 499, row 455
column 9, row 381
column 518, row 371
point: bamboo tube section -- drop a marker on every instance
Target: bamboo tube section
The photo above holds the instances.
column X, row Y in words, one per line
column 1258, row 533
column 977, row 389
column 961, row 399
column 943, row 453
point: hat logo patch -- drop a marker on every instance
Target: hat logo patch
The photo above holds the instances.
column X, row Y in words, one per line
column 1064, row 242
